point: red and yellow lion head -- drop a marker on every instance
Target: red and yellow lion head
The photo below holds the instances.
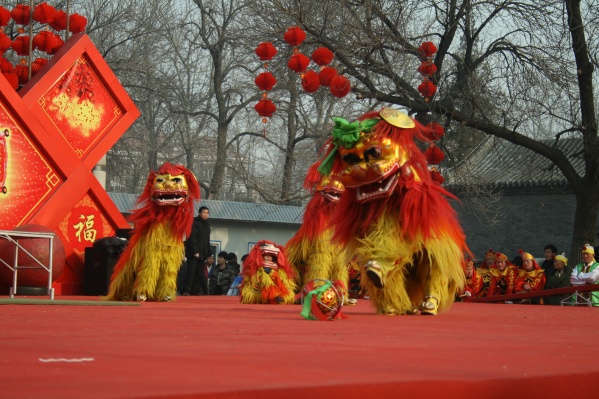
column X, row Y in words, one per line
column 383, row 170
column 168, row 197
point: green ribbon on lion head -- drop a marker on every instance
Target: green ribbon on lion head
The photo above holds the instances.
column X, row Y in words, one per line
column 345, row 134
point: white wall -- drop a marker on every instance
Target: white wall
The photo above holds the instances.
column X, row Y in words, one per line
column 234, row 236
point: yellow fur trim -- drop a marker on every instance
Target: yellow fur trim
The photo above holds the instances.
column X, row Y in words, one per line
column 411, row 269
column 151, row 267
column 254, row 286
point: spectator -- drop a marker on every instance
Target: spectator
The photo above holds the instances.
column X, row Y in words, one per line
column 485, row 272
column 504, row 276
column 232, row 261
column 197, row 250
column 474, row 282
column 587, row 272
column 207, row 269
column 531, row 277
column 517, row 261
column 221, row 276
column 236, row 286
column 560, row 278
column 550, row 253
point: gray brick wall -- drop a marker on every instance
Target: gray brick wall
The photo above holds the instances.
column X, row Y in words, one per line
column 526, row 221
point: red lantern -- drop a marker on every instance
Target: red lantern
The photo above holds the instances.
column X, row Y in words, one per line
column 37, row 65
column 294, row 36
column 322, row 56
column 298, row 62
column 265, row 108
column 427, row 89
column 12, row 78
column 21, row 14
column 265, row 81
column 5, row 65
column 4, row 16
column 21, row 45
column 60, row 21
column 45, row 41
column 326, row 74
column 22, row 72
column 433, row 131
column 340, row 86
column 44, row 13
column 59, row 43
column 266, row 51
column 434, row 155
column 437, row 177
column 5, row 42
column 427, row 49
column 427, row 69
column 310, row 81
column 77, row 23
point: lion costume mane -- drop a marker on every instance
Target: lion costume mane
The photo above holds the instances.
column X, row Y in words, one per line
column 147, row 269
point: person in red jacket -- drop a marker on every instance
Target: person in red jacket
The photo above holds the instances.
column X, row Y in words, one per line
column 531, row 277
column 474, row 282
column 485, row 272
column 504, row 275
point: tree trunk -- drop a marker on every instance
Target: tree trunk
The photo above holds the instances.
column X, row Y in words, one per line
column 585, row 218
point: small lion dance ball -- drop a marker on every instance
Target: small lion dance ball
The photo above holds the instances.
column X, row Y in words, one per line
column 322, row 300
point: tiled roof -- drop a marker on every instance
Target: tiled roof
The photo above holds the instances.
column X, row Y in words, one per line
column 227, row 210
column 502, row 164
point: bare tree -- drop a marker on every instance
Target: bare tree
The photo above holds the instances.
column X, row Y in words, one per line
column 504, row 68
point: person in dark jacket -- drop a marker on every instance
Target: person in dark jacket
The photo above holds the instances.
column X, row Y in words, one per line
column 560, row 278
column 221, row 275
column 197, row 250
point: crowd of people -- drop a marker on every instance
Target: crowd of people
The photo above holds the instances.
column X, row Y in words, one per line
column 497, row 275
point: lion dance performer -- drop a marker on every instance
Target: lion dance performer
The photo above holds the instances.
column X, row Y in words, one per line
column 147, row 269
column 268, row 276
column 394, row 217
column 311, row 251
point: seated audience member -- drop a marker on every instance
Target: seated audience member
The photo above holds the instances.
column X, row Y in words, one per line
column 485, row 272
column 474, row 282
column 232, row 261
column 267, row 276
column 517, row 261
column 587, row 272
column 221, row 276
column 560, row 278
column 531, row 277
column 236, row 286
column 550, row 253
column 207, row 269
column 503, row 279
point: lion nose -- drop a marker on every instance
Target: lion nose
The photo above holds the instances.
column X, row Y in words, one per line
column 358, row 173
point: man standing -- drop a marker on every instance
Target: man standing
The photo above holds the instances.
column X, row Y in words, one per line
column 197, row 250
column 587, row 272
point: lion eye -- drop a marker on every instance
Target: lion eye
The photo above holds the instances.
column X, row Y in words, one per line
column 177, row 180
column 374, row 152
column 159, row 180
column 351, row 159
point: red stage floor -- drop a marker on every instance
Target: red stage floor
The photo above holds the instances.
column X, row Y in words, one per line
column 215, row 347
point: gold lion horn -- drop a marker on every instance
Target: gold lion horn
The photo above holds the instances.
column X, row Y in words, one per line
column 397, row 118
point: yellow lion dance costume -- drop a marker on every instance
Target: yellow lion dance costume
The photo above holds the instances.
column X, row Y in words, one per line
column 147, row 269
column 311, row 251
column 393, row 217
